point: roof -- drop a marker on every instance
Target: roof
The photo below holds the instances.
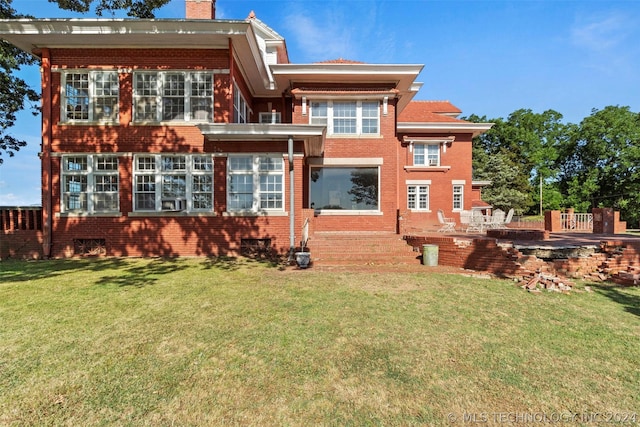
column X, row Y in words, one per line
column 415, row 111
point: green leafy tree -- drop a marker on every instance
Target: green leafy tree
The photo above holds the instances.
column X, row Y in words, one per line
column 602, row 167
column 16, row 94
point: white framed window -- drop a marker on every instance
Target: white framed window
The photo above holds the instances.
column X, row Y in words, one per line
column 458, row 197
column 346, row 117
column 90, row 184
column 273, row 117
column 169, row 182
column 418, row 197
column 90, row 96
column 255, row 183
column 173, row 96
column 241, row 109
column 426, row 155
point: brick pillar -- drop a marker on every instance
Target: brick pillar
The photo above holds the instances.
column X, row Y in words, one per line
column 552, row 221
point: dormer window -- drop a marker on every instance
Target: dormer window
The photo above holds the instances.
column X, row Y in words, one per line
column 361, row 118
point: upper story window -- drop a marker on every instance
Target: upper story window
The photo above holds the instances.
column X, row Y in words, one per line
column 90, row 184
column 173, row 182
column 241, row 109
column 90, row 96
column 173, row 95
column 255, row 183
column 347, row 117
column 426, row 155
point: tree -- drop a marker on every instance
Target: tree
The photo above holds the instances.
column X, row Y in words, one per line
column 602, row 167
column 134, row 8
column 15, row 93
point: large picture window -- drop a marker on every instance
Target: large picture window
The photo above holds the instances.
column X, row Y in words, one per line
column 173, row 96
column 255, row 183
column 173, row 182
column 90, row 184
column 345, row 188
column 347, row 117
column 90, row 96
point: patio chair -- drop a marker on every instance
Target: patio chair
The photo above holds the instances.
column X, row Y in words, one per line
column 465, row 220
column 476, row 221
column 509, row 217
column 446, row 224
column 497, row 219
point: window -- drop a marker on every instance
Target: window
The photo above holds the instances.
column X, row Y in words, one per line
column 90, row 96
column 90, row 184
column 347, row 117
column 240, row 108
column 458, row 197
column 426, row 155
column 173, row 96
column 344, row 188
column 273, row 117
column 255, row 183
column 418, row 197
column 173, row 182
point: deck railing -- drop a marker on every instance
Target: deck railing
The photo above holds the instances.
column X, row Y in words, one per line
column 15, row 218
column 577, row 222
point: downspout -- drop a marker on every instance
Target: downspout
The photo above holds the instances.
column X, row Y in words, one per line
column 45, row 155
column 292, row 199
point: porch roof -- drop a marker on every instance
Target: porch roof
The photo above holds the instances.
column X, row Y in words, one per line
column 313, row 136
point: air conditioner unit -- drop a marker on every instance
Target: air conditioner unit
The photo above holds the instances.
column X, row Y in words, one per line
column 174, row 204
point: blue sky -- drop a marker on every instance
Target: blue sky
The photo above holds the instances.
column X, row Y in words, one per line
column 488, row 58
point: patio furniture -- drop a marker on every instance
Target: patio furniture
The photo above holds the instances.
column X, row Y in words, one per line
column 509, row 217
column 446, row 224
column 497, row 219
column 472, row 221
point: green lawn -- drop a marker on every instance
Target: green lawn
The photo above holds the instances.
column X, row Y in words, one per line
column 207, row 342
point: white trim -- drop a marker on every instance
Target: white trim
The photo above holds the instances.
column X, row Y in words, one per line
column 346, row 161
column 418, row 182
column 458, row 182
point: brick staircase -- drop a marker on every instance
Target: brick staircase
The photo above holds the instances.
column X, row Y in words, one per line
column 360, row 248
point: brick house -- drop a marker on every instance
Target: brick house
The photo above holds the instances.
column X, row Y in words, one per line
column 197, row 136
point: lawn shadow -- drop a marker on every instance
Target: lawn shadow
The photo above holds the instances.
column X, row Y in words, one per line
column 143, row 275
column 631, row 303
column 14, row 271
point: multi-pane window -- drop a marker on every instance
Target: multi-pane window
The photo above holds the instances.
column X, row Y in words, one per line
column 90, row 183
column 240, row 106
column 345, row 188
column 458, row 197
column 347, row 117
column 255, row 183
column 173, row 182
column 173, row 95
column 426, row 155
column 418, row 197
column 273, row 117
column 90, row 96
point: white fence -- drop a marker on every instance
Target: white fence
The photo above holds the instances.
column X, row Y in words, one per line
column 577, row 222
